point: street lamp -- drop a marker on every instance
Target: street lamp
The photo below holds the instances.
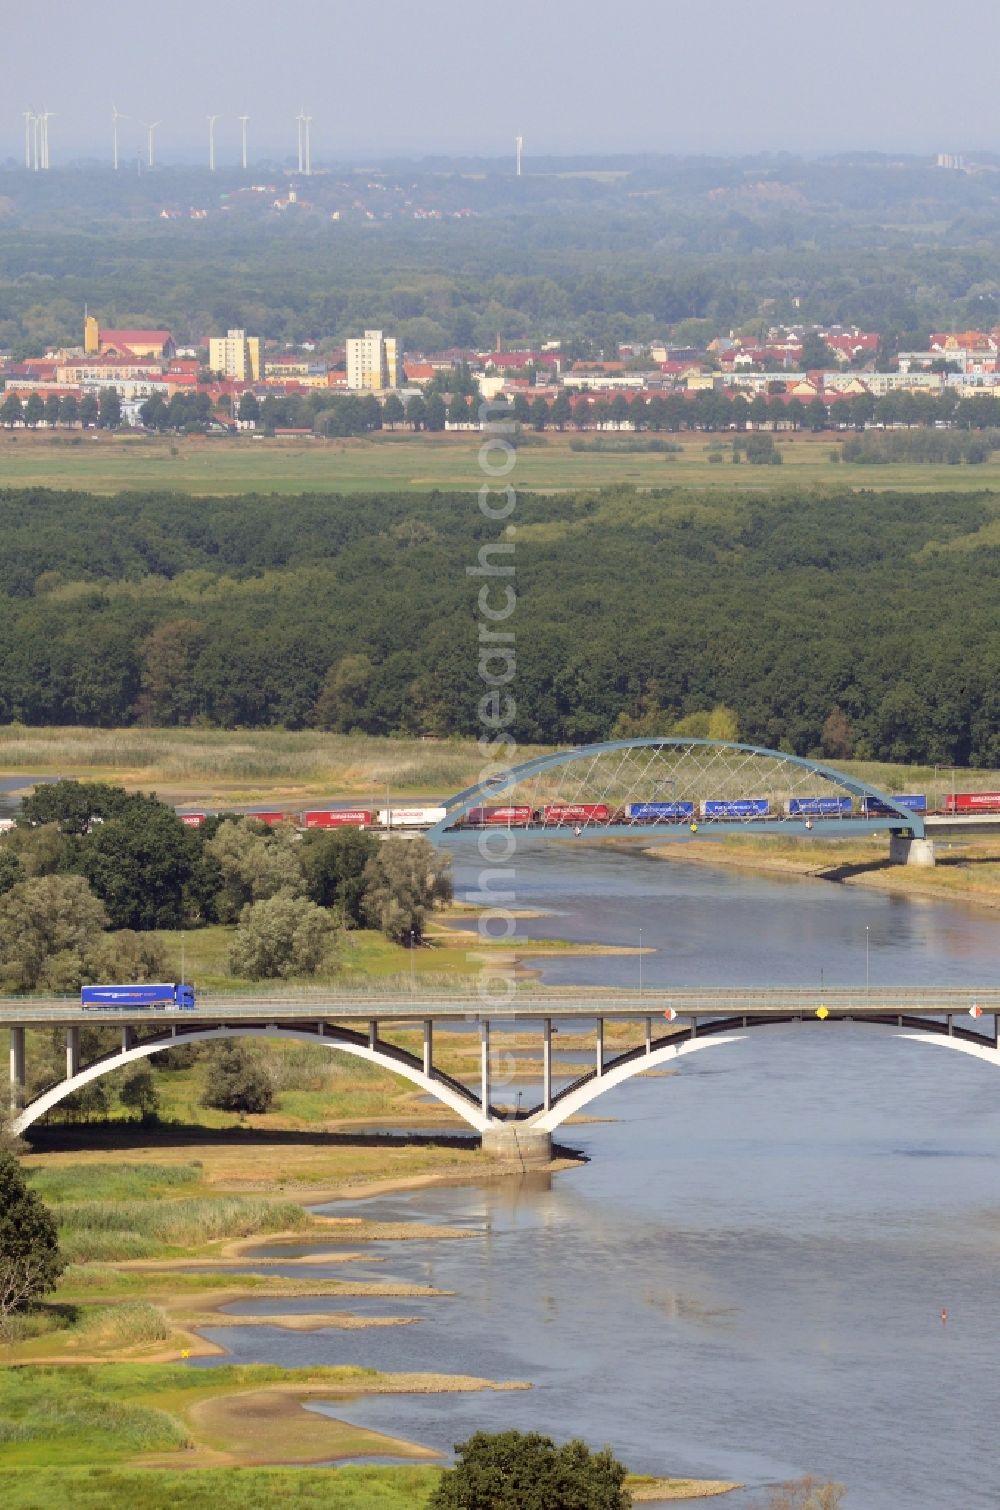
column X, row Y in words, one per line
column 640, row 960
column 868, row 966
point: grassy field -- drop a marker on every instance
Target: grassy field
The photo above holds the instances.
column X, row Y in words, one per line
column 218, row 766
column 201, row 465
column 284, row 769
column 350, row 1488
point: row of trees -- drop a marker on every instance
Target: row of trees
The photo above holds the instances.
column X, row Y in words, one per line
column 710, row 410
column 102, row 411
column 359, row 414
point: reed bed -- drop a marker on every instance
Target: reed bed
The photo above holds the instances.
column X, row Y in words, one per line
column 305, row 760
column 125, row 1325
column 103, row 1231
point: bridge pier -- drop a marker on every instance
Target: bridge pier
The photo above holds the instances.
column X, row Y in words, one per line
column 904, row 850
column 17, row 1075
column 547, row 1064
column 485, row 1088
column 516, row 1144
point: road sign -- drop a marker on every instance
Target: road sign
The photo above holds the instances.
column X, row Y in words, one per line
column 670, row 1014
column 975, row 1010
column 822, row 1013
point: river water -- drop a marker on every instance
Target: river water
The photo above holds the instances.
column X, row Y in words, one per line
column 746, row 1279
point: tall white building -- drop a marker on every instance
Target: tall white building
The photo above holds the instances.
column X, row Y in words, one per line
column 374, row 362
column 236, row 355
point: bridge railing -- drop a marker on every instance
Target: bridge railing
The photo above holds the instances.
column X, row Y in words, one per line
column 531, row 1002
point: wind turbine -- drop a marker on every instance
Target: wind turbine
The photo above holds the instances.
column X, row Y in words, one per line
column 36, row 142
column 150, row 153
column 116, row 116
column 211, row 142
column 243, row 132
column 29, row 124
column 45, row 137
column 307, row 121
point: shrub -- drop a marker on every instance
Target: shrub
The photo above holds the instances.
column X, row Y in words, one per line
column 515, row 1470
column 138, row 1093
column 283, row 936
column 238, row 1080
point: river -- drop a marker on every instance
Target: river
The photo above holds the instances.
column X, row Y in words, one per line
column 746, row 1279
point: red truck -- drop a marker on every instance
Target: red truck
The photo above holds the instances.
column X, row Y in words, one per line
column 972, row 802
column 339, row 817
column 576, row 812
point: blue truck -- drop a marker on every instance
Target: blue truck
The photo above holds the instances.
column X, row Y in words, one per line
column 153, row 994
column 659, row 812
column 738, row 807
column 874, row 808
column 818, row 807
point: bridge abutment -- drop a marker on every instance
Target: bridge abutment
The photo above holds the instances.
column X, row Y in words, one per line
column 517, row 1144
column 904, row 850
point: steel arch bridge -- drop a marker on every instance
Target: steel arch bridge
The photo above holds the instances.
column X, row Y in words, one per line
column 669, row 787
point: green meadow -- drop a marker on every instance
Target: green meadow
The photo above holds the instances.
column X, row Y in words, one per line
column 402, row 463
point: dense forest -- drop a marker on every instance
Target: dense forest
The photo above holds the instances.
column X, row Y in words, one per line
column 634, row 610
column 454, row 253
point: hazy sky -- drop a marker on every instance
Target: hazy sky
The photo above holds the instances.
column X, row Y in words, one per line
column 418, row 76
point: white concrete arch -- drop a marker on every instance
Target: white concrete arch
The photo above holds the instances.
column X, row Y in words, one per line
column 617, row 1072
column 465, row 1106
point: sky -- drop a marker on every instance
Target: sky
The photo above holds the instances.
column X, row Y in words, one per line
column 417, row 77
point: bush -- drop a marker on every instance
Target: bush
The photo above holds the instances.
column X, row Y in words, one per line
column 238, row 1080
column 284, row 936
column 138, row 1093
column 515, row 1470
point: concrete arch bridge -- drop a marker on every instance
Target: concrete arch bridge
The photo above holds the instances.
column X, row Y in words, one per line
column 622, row 1035
column 669, row 787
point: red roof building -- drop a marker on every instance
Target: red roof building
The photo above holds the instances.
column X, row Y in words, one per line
column 137, row 343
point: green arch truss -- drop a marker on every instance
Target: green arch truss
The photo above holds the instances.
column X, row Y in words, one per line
column 678, row 773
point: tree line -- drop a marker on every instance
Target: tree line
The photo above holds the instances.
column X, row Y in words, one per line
column 333, row 414
column 685, row 245
column 357, row 614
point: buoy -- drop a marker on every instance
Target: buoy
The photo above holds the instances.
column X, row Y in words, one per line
column 944, row 1318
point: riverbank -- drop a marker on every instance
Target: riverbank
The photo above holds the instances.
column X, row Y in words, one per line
column 101, row 1365
column 967, row 870
column 160, row 1245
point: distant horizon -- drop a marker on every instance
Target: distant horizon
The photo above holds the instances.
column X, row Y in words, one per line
column 278, row 157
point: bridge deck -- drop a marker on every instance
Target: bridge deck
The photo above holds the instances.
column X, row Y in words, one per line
column 930, row 1001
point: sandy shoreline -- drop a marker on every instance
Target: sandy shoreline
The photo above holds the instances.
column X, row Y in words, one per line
column 875, row 874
